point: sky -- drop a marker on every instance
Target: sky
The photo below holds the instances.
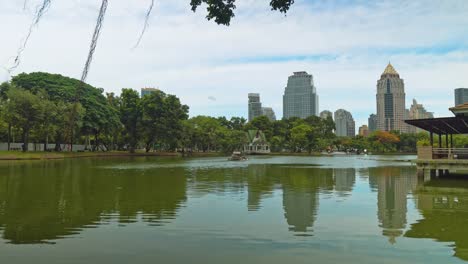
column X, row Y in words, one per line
column 344, row 44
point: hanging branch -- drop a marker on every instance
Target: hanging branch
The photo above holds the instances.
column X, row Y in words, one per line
column 84, row 74
column 145, row 26
column 37, row 17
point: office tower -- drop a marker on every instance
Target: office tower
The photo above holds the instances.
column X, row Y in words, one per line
column 268, row 112
column 364, row 131
column 417, row 111
column 461, row 96
column 325, row 114
column 145, row 91
column 345, row 125
column 255, row 106
column 372, row 123
column 391, row 101
column 300, row 96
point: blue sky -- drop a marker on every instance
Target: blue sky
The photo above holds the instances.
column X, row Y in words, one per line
column 344, row 44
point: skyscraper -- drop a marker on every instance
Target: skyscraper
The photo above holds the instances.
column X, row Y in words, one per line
column 145, row 91
column 372, row 123
column 268, row 112
column 325, row 113
column 345, row 125
column 255, row 106
column 417, row 111
column 300, row 97
column 461, row 96
column 391, row 101
column 364, row 130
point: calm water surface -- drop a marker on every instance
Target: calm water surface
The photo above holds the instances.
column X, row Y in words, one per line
column 208, row 210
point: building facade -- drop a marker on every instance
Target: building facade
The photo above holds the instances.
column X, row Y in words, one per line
column 300, row 97
column 344, row 122
column 364, row 131
column 325, row 114
column 372, row 123
column 268, row 112
column 391, row 109
column 145, row 91
column 255, row 106
column 417, row 111
column 461, row 96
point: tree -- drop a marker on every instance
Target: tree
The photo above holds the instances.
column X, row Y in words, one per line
column 130, row 116
column 300, row 137
column 262, row 123
column 25, row 110
column 162, row 117
column 222, row 11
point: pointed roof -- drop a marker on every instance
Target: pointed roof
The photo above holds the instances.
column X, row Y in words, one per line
column 390, row 70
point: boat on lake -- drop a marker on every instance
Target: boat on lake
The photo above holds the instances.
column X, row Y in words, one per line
column 237, row 156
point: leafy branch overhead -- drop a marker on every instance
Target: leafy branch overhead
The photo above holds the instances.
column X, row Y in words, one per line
column 222, row 11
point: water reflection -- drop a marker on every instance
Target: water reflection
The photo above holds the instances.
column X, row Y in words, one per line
column 43, row 202
column 393, row 185
column 443, row 204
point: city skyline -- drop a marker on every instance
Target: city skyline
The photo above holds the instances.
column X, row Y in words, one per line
column 433, row 65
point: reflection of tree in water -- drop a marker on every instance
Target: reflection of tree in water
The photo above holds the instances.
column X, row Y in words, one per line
column 444, row 206
column 300, row 195
column 392, row 184
column 61, row 201
column 261, row 180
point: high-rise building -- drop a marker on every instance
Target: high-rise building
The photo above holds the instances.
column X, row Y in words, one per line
column 372, row 123
column 268, row 112
column 325, row 114
column 461, row 96
column 344, row 122
column 364, row 131
column 300, row 97
column 391, row 109
column 145, row 91
column 417, row 111
column 255, row 106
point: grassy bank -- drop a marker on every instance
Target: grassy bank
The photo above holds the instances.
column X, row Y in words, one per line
column 16, row 155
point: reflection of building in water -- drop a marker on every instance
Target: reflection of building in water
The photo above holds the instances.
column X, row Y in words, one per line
column 392, row 185
column 300, row 195
column 444, row 206
column 260, row 183
column 344, row 180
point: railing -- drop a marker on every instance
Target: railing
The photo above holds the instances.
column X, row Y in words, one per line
column 427, row 153
column 450, row 153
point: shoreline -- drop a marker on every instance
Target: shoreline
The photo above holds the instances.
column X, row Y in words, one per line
column 20, row 156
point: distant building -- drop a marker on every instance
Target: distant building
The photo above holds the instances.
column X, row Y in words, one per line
column 325, row 114
column 345, row 125
column 417, row 111
column 145, row 91
column 300, row 96
column 372, row 123
column 256, row 143
column 364, row 131
column 391, row 109
column 461, row 96
column 255, row 106
column 268, row 112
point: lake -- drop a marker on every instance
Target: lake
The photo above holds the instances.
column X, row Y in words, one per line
column 350, row 209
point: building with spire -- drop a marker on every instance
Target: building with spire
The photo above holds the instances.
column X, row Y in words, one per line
column 300, row 97
column 391, row 110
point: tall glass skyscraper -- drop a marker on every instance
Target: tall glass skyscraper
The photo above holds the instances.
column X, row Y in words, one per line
column 300, row 97
column 391, row 110
column 461, row 96
column 255, row 106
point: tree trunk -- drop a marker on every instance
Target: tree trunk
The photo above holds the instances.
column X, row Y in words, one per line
column 25, row 140
column 9, row 136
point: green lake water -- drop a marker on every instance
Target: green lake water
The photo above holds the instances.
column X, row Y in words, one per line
column 350, row 209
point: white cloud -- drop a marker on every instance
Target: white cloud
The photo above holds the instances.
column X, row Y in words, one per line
column 345, row 47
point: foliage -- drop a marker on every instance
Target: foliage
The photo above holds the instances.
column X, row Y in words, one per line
column 222, row 11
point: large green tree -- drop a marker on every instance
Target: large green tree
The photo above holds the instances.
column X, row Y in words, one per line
column 130, row 116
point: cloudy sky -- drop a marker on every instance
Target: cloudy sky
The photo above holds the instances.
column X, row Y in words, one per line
column 345, row 44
